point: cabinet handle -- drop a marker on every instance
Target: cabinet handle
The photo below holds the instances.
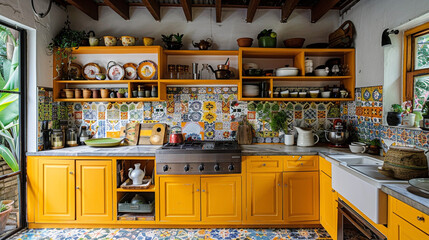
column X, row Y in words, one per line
column 285, row 185
column 264, row 165
column 198, row 190
column 420, row 218
column 203, row 190
column 278, row 184
column 333, row 190
column 302, row 164
column 71, row 173
column 77, row 187
column 299, row 158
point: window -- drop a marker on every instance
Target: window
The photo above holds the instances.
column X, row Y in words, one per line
column 416, row 65
column 12, row 129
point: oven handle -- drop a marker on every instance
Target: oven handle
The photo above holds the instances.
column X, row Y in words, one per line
column 357, row 225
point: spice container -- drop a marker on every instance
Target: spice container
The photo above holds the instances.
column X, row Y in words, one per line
column 180, row 72
column 83, row 135
column 171, row 74
column 72, row 137
column 57, row 139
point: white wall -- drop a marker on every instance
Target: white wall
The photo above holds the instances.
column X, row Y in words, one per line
column 40, row 33
column 204, row 25
column 370, row 18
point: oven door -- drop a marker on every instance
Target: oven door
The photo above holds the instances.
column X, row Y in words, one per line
column 351, row 225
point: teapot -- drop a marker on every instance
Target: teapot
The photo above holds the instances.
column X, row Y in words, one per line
column 306, row 137
column 136, row 174
column 203, row 44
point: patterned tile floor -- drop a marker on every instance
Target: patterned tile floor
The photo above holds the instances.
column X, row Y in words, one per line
column 158, row 234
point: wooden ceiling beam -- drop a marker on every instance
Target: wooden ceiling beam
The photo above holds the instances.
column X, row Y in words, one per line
column 90, row 8
column 321, row 8
column 187, row 9
column 251, row 10
column 154, row 9
column 218, row 11
column 287, row 9
column 120, row 7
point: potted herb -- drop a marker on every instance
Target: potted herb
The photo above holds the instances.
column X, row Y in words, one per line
column 425, row 115
column 278, row 123
column 408, row 117
column 394, row 117
column 62, row 45
column 121, row 93
column 173, row 41
column 5, row 209
column 267, row 38
column 374, row 146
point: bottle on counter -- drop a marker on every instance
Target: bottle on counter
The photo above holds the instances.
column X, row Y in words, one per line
column 83, row 135
column 72, row 137
column 57, row 138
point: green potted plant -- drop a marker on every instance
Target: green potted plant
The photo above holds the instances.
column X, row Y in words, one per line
column 5, row 210
column 267, row 38
column 173, row 41
column 425, row 115
column 394, row 117
column 374, row 146
column 121, row 92
column 408, row 117
column 62, row 45
column 278, row 122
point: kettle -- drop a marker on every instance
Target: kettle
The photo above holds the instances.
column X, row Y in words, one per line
column 176, row 137
column 203, row 44
column 306, row 137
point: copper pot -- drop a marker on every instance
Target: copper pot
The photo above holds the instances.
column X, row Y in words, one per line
column 176, row 138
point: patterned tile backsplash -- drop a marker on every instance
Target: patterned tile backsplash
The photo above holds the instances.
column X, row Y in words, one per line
column 213, row 113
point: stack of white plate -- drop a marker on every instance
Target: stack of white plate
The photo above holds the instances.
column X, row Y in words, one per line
column 250, row 90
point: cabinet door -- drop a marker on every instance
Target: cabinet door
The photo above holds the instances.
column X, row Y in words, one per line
column 94, row 190
column 301, row 196
column 221, row 199
column 264, row 197
column 56, row 193
column 180, row 198
column 399, row 229
column 328, row 205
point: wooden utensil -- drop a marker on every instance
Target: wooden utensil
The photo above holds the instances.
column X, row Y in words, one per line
column 159, row 134
column 244, row 133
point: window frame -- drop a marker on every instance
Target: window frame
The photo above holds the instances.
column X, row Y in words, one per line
column 22, row 172
column 409, row 73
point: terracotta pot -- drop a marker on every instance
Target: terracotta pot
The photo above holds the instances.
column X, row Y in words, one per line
column 105, row 93
column 4, row 216
column 77, row 93
column 62, row 94
column 69, row 93
column 245, row 42
column 120, row 95
column 95, row 93
column 294, row 42
column 87, row 93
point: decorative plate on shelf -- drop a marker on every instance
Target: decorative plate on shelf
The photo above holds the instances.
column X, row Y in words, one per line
column 90, row 70
column 75, row 71
column 147, row 70
column 115, row 71
column 104, row 142
column 130, row 71
column 420, row 183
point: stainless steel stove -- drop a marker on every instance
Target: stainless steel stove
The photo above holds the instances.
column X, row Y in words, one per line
column 195, row 158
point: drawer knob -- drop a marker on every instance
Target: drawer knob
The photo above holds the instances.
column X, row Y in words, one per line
column 77, row 187
column 264, row 165
column 198, row 190
column 333, row 190
column 420, row 218
column 204, row 190
column 71, row 173
column 302, row 164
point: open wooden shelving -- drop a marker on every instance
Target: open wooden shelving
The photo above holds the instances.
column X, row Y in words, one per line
column 295, row 55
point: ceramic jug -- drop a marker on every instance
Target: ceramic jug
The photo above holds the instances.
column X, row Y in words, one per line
column 136, row 174
column 93, row 41
column 306, row 137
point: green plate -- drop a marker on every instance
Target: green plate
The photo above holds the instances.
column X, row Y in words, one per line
column 104, row 142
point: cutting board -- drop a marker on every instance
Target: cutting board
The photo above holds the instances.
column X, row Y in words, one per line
column 244, row 133
column 159, row 134
column 146, row 133
column 131, row 133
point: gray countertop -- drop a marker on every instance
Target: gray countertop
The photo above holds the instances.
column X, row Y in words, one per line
column 149, row 150
column 409, row 195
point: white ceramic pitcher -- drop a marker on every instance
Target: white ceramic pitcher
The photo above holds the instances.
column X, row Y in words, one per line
column 137, row 174
column 306, row 137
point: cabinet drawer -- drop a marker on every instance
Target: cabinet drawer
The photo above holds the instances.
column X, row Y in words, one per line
column 411, row 215
column 264, row 164
column 325, row 166
column 301, row 163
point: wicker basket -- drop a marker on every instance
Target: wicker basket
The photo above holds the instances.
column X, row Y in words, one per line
column 405, row 163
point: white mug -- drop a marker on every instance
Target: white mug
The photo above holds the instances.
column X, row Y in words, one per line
column 357, row 148
column 289, row 139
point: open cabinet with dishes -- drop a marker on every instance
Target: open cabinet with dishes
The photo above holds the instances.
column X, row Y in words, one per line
column 135, row 190
column 291, row 74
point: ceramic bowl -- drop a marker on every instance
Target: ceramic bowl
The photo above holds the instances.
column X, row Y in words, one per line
column 109, row 41
column 245, row 42
column 320, row 72
column 284, row 94
column 294, row 42
column 302, row 94
column 314, row 93
column 357, row 148
column 294, row 94
column 128, row 41
column 286, row 71
column 326, row 94
column 250, row 90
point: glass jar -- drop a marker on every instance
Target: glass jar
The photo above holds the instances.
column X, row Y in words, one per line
column 83, row 135
column 171, row 74
column 180, row 72
column 205, row 72
column 187, row 73
column 57, row 139
column 72, row 137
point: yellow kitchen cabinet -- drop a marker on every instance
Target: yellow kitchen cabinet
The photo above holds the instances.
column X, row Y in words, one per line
column 220, row 199
column 328, row 205
column 264, row 197
column 55, row 190
column 301, row 196
column 94, row 190
column 399, row 229
column 179, row 198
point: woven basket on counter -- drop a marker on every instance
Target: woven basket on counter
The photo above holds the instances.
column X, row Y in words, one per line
column 405, row 163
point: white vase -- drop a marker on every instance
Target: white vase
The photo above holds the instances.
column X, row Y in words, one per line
column 408, row 119
column 136, row 174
